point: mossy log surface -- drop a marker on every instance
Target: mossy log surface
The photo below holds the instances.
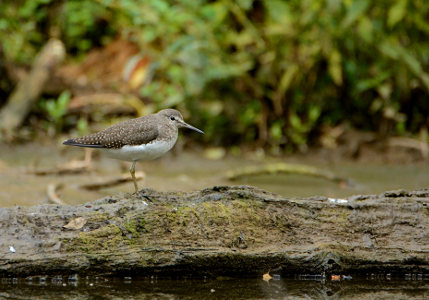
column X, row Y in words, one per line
column 227, row 230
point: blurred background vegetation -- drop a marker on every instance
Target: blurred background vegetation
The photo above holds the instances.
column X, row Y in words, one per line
column 272, row 73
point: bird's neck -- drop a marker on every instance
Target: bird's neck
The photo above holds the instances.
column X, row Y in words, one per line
column 168, row 132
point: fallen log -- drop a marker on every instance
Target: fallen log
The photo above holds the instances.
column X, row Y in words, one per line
column 225, row 230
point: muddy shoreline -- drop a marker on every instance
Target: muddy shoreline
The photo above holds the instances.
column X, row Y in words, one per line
column 219, row 231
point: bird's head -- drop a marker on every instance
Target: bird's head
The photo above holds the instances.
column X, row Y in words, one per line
column 175, row 118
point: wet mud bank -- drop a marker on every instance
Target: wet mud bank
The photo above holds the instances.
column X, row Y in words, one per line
column 219, row 231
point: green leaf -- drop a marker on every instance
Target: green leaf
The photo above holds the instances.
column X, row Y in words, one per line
column 82, row 126
column 215, row 12
column 296, row 123
column 276, row 130
column 244, row 4
column 365, row 29
column 413, row 65
column 396, row 12
column 63, row 101
column 314, row 113
column 278, row 10
column 369, row 83
column 356, row 10
column 388, row 50
column 335, row 68
column 287, row 77
column 160, row 5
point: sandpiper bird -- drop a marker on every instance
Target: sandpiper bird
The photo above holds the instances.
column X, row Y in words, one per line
column 139, row 139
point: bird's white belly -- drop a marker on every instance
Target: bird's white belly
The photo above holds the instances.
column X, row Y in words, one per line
column 140, row 152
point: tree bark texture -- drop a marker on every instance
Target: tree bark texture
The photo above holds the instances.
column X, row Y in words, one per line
column 224, row 230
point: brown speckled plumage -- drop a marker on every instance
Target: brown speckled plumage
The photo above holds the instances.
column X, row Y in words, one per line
column 137, row 131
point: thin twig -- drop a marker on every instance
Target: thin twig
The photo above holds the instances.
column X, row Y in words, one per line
column 51, row 191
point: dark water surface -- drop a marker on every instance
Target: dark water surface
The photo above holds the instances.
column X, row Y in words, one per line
column 411, row 286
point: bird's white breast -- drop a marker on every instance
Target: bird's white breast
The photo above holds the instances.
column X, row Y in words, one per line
column 141, row 152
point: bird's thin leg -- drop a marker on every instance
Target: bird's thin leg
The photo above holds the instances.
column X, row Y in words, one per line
column 133, row 175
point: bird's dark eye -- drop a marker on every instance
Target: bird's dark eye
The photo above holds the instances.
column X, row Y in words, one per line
column 172, row 118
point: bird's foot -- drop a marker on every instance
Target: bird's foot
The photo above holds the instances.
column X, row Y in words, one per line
column 146, row 197
column 140, row 195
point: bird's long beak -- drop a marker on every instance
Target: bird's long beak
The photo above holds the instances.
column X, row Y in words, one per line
column 186, row 125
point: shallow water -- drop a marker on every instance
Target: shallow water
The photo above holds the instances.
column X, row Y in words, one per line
column 407, row 286
column 186, row 171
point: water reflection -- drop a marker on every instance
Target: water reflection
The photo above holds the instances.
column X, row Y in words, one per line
column 302, row 287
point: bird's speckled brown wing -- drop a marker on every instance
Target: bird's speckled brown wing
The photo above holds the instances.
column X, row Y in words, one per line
column 132, row 132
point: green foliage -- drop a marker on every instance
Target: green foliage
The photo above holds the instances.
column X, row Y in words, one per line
column 266, row 70
column 84, row 23
column 25, row 25
column 276, row 70
column 56, row 109
column 82, row 126
column 18, row 28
